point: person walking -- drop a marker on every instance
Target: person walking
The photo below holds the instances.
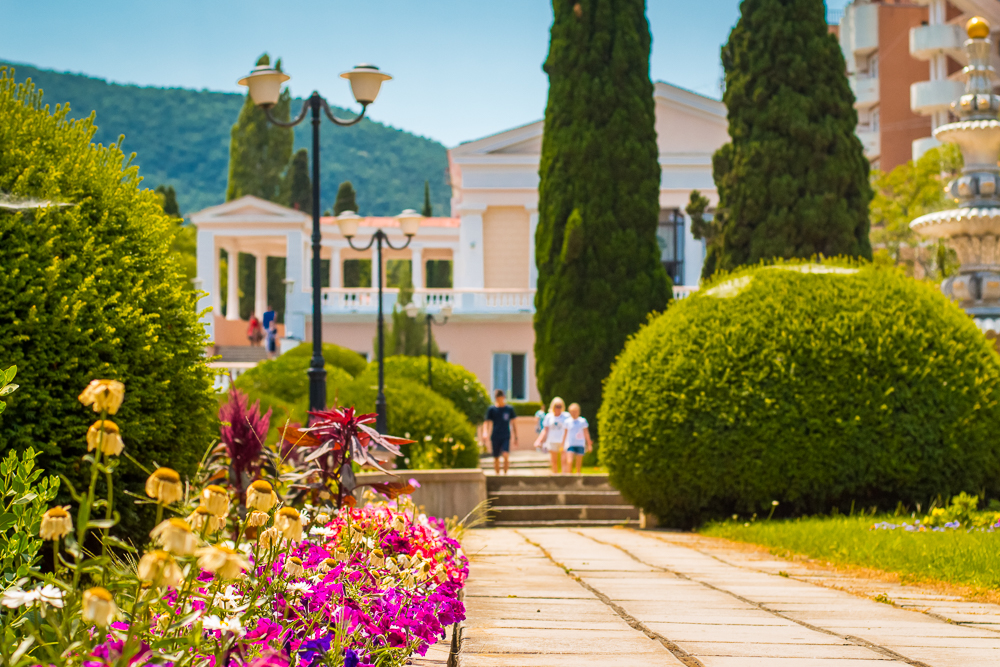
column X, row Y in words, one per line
column 498, row 420
column 577, row 440
column 272, row 339
column 554, row 430
column 255, row 332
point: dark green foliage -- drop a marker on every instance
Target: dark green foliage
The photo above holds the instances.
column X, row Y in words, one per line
column 405, row 335
column 185, row 243
column 91, row 290
column 794, row 180
column 428, row 210
column 526, row 408
column 700, row 228
column 182, row 137
column 346, row 200
column 815, row 390
column 169, row 197
column 259, row 150
column 599, row 271
column 452, row 381
column 299, row 186
column 25, row 497
column 444, row 437
column 357, row 273
column 437, row 274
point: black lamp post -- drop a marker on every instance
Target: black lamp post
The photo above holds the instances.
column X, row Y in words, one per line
column 264, row 83
column 409, row 223
column 412, row 311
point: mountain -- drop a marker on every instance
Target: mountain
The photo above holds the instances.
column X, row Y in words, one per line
column 181, row 138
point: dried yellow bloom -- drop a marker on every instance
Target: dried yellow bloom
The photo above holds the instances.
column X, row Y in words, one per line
column 260, row 496
column 289, row 523
column 165, row 486
column 223, row 561
column 160, row 569
column 215, row 499
column 257, row 519
column 293, row 566
column 56, row 524
column 104, row 436
column 99, row 607
column 202, row 519
column 175, row 536
column 104, row 395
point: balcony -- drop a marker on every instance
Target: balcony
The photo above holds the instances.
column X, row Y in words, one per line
column 927, row 97
column 871, row 140
column 927, row 41
column 859, row 31
column 865, row 89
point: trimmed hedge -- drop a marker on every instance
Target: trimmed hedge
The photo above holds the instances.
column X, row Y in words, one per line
column 452, row 381
column 526, row 408
column 92, row 290
column 817, row 390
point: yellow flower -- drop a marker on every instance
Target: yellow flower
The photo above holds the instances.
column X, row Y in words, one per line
column 327, row 564
column 376, row 558
column 160, row 569
column 269, row 538
column 223, row 561
column 441, row 574
column 293, row 567
column 260, row 496
column 257, row 519
column 201, row 517
column 322, row 519
column 104, row 395
column 342, row 556
column 289, row 523
column 56, row 524
column 175, row 536
column 215, row 499
column 398, row 523
column 99, row 607
column 104, row 436
column 165, row 486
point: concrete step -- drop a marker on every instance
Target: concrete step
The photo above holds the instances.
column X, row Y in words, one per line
column 516, row 482
column 241, row 353
column 614, row 513
column 563, row 523
column 507, row 498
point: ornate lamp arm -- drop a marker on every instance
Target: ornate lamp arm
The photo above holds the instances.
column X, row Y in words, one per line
column 340, row 122
column 371, row 242
column 386, row 240
column 281, row 123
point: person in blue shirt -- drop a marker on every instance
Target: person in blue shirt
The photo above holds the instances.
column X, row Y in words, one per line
column 267, row 318
column 498, row 423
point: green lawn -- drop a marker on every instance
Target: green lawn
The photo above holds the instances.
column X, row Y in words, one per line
column 955, row 556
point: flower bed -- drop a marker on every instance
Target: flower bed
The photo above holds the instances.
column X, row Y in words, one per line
column 236, row 576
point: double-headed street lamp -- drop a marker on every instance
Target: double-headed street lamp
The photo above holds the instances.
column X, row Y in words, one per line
column 264, row 83
column 409, row 223
column 412, row 310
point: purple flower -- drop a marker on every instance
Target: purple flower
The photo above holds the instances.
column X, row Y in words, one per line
column 311, row 648
column 351, row 658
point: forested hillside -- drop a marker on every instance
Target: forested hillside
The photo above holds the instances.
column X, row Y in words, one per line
column 181, row 138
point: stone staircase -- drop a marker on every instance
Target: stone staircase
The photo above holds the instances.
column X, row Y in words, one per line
column 556, row 500
column 243, row 353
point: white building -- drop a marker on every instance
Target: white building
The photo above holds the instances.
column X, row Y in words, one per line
column 489, row 246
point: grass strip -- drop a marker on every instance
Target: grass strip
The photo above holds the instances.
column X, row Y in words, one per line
column 969, row 558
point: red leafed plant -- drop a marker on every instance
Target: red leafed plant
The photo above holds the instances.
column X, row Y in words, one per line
column 338, row 437
column 243, row 432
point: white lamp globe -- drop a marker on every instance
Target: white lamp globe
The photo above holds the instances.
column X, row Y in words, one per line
column 264, row 83
column 412, row 310
column 366, row 80
column 446, row 311
column 409, row 221
column 348, row 221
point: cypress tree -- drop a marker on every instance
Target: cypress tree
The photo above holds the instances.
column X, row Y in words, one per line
column 345, row 199
column 428, row 209
column 298, row 183
column 169, row 198
column 259, row 151
column 793, row 182
column 599, row 271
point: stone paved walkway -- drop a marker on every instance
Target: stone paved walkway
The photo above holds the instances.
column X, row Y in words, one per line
column 553, row 597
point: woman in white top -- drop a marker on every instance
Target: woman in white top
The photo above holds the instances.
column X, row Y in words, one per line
column 577, row 440
column 554, row 431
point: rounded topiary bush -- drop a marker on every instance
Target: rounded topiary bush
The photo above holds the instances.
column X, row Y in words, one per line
column 452, row 381
column 814, row 385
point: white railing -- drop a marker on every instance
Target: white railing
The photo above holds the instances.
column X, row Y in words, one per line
column 467, row 301
column 226, row 372
column 682, row 291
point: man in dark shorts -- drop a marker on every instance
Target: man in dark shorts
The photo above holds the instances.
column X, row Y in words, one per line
column 498, row 423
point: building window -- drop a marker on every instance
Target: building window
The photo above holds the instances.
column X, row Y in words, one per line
column 875, row 119
column 670, row 236
column 873, row 65
column 439, row 274
column 357, row 273
column 510, row 374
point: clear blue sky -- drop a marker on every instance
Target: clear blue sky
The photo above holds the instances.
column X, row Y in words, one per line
column 464, row 68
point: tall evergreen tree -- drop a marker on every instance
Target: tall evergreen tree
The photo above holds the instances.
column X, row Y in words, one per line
column 428, row 209
column 599, row 271
column 259, row 151
column 793, row 182
column 345, row 199
column 297, row 182
column 169, row 198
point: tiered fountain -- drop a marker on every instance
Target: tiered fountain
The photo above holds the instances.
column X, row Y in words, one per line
column 973, row 229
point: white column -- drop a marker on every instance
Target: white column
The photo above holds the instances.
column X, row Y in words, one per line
column 417, row 268
column 232, row 283
column 295, row 316
column 335, row 269
column 260, row 285
column 207, row 258
column 532, row 264
column 469, row 261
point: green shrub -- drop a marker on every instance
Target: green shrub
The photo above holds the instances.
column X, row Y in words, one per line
column 92, row 290
column 444, row 437
column 526, row 408
column 452, row 381
column 23, row 501
column 813, row 389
